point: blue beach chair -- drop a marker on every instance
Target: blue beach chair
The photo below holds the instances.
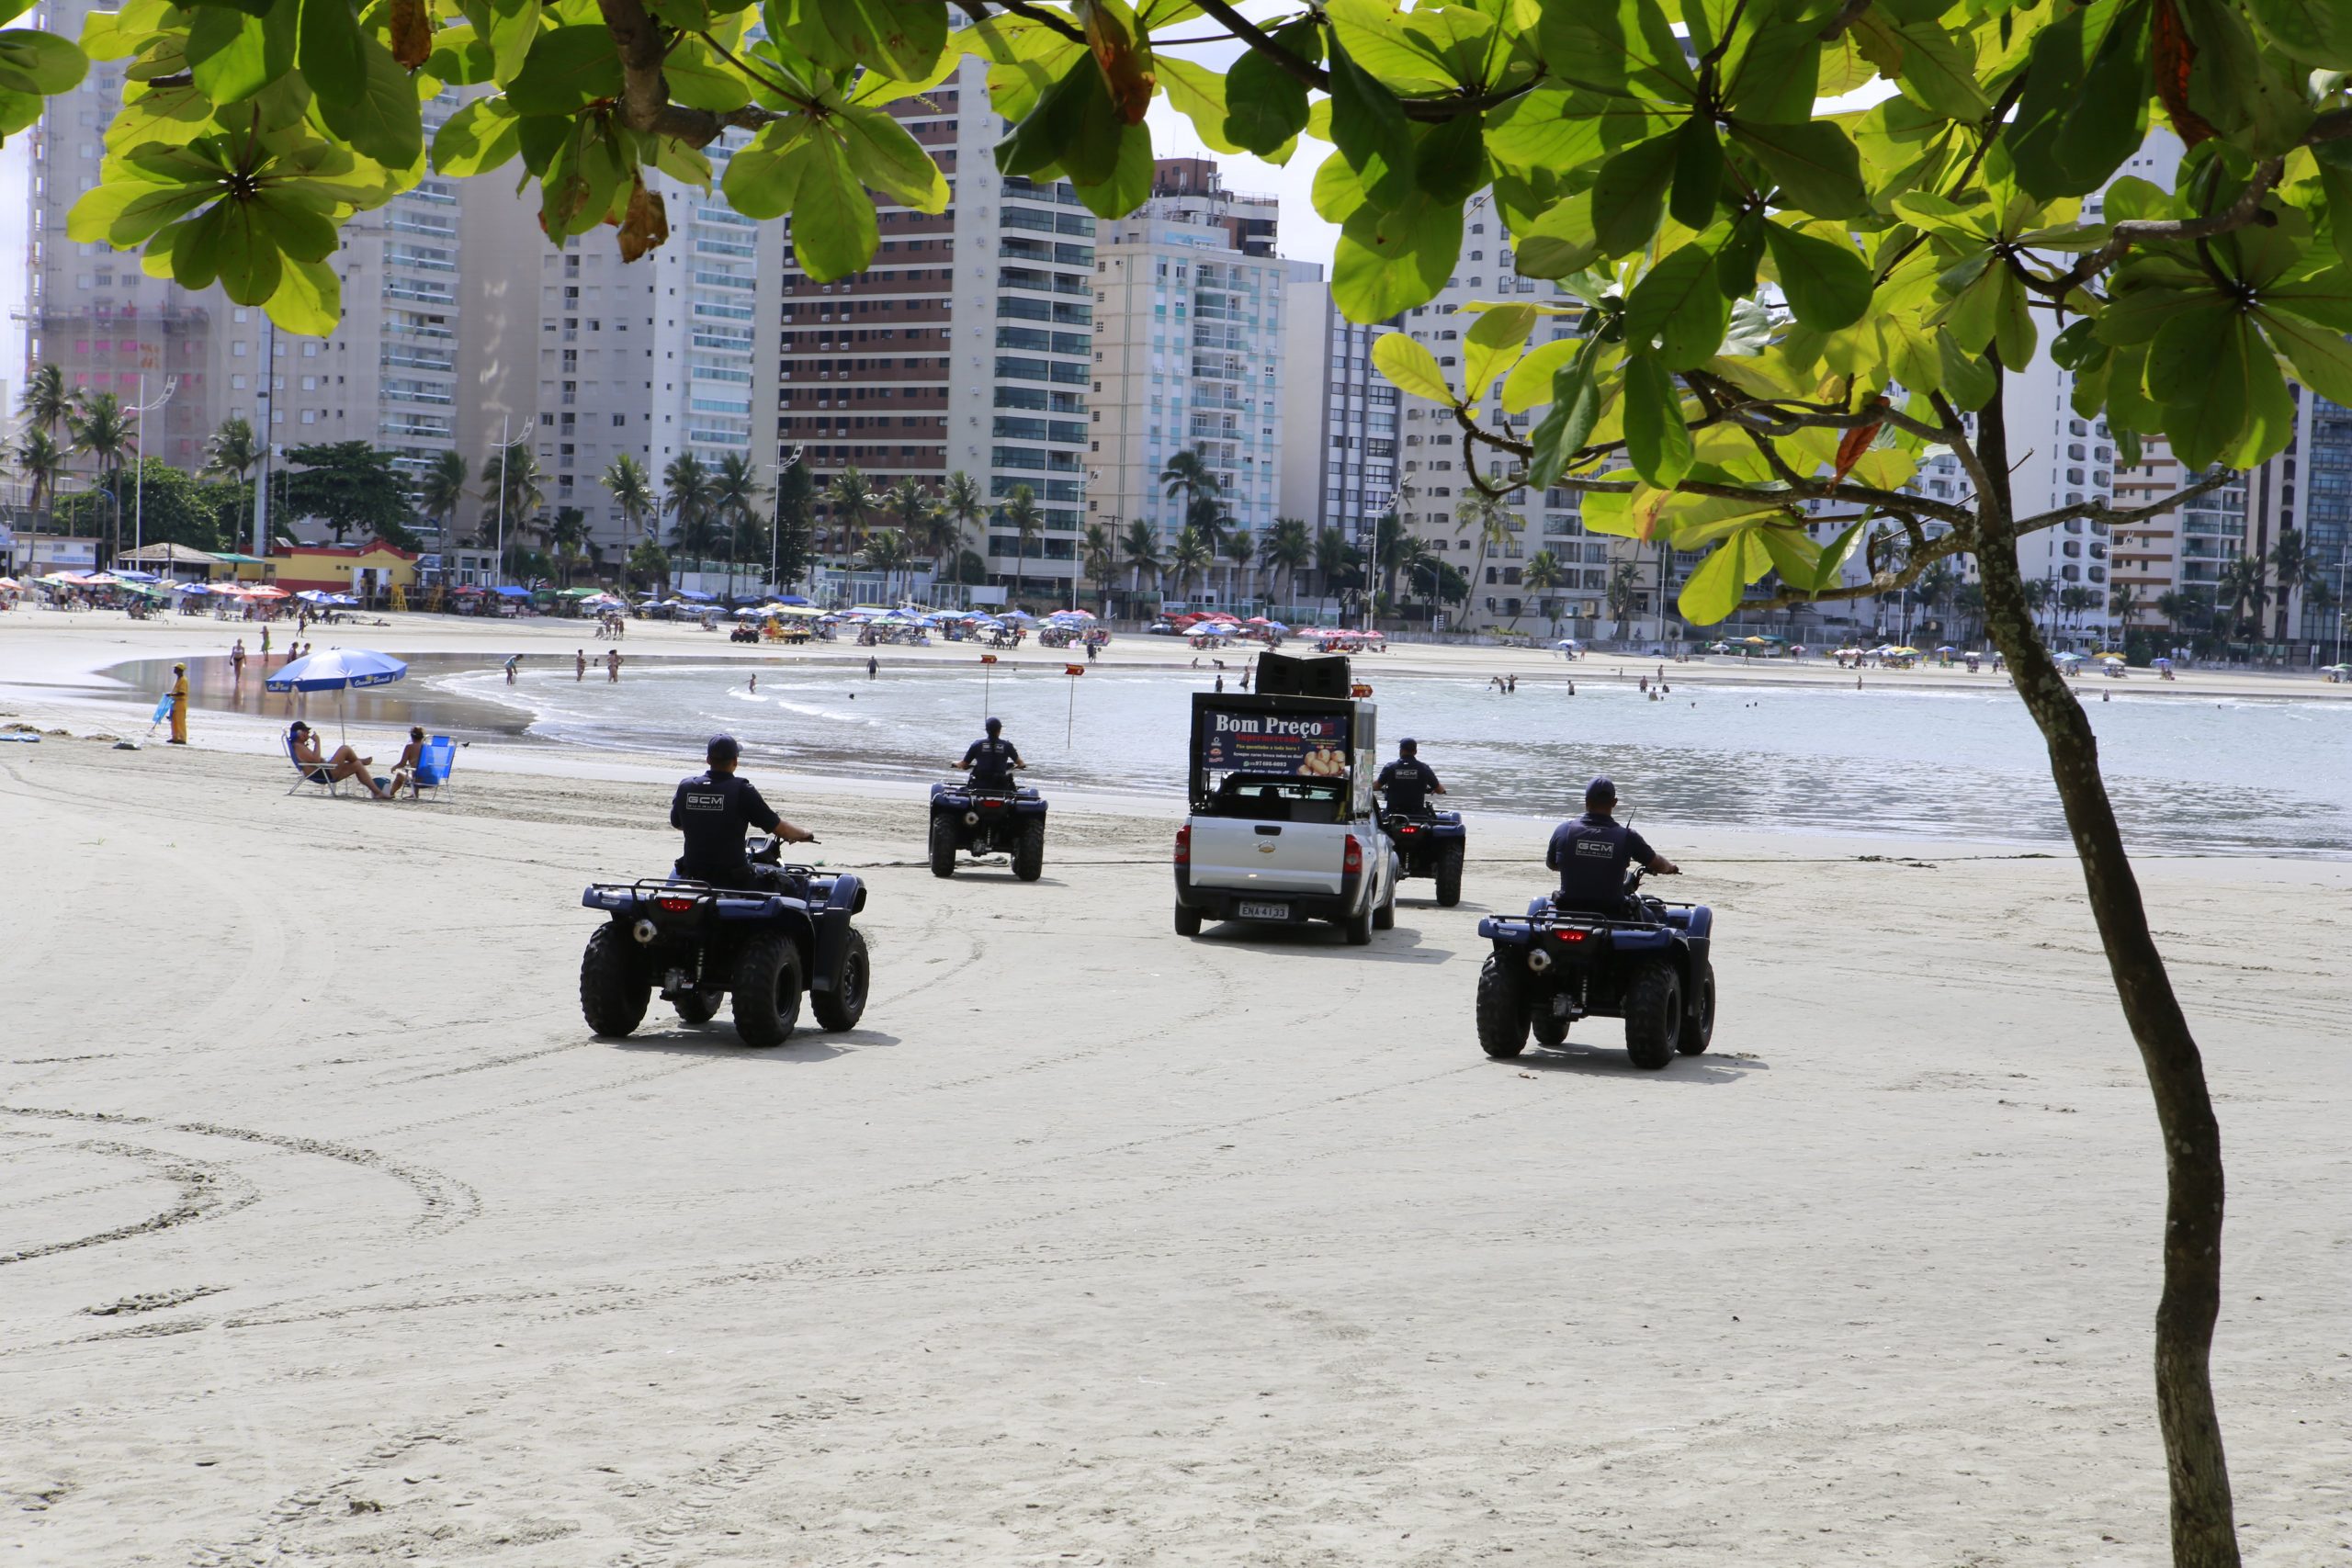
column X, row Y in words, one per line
column 434, row 765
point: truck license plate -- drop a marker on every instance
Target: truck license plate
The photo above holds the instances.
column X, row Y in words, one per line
column 1265, row 911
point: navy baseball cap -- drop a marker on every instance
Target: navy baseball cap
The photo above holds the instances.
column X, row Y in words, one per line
column 1408, row 744
column 1602, row 791
column 723, row 748
column 993, row 725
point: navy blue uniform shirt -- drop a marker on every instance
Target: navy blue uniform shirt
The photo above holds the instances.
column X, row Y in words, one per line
column 1409, row 783
column 714, row 811
column 1591, row 854
column 991, row 761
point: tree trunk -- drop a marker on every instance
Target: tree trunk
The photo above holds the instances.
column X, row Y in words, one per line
column 2204, row 1532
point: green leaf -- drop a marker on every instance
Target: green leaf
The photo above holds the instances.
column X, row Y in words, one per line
column 381, row 121
column 567, row 68
column 299, row 232
column 1827, row 283
column 1198, row 94
column 1337, row 193
column 2084, row 110
column 1055, row 125
column 231, row 55
column 699, row 80
column 327, row 48
column 1830, row 569
column 2184, row 347
column 1490, row 347
column 513, row 29
column 1736, row 261
column 1715, row 587
column 833, row 228
column 1629, row 196
column 1387, row 262
column 2317, row 32
column 1125, row 185
column 1698, row 173
column 2322, row 358
column 1794, row 556
column 1369, row 125
column 481, row 136
column 1618, row 42
column 1775, row 76
column 1817, row 167
column 1450, row 159
column 899, row 38
column 1559, row 243
column 888, row 160
column 1412, row 368
column 582, row 182
column 2245, row 94
column 221, row 246
column 1657, row 439
column 2208, row 423
column 1265, row 106
column 460, row 59
column 1530, row 380
column 1934, row 69
column 1567, row 427
column 1677, row 312
column 40, row 63
column 762, row 179
column 309, row 299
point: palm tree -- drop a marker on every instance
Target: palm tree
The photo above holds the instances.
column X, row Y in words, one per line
column 1968, row 603
column 1096, row 552
column 851, row 505
column 631, row 487
column 1238, row 549
column 2244, row 589
column 1288, row 547
column 566, row 535
column 1393, row 550
column 1189, row 473
column 1191, row 555
column 911, row 501
column 511, row 485
column 1543, row 573
column 886, row 552
column 2294, row 564
column 1496, row 527
column 1020, row 513
column 1140, row 544
column 2124, row 602
column 1623, row 593
column 962, row 503
column 441, row 492
column 735, row 492
column 48, row 402
column 1333, row 555
column 103, row 430
column 41, row 462
column 686, row 495
column 2178, row 609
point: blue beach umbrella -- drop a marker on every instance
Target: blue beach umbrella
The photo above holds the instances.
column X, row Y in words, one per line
column 337, row 670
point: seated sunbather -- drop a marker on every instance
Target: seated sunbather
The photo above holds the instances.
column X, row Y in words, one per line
column 405, row 771
column 345, row 764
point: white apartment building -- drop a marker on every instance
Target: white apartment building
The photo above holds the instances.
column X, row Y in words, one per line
column 1342, row 416
column 1189, row 357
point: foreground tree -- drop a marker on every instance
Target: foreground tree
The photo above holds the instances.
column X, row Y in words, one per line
column 352, row 487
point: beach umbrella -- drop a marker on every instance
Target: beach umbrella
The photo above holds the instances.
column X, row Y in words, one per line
column 266, row 590
column 337, row 670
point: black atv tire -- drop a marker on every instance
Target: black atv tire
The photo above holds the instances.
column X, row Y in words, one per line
column 1550, row 1031
column 1653, row 1016
column 612, row 998
column 1698, row 1027
column 1449, row 879
column 1188, row 921
column 768, row 983
column 842, row 1006
column 1029, row 851
column 1502, row 1007
column 943, row 848
column 698, row 1007
column 1357, row 928
column 1385, row 918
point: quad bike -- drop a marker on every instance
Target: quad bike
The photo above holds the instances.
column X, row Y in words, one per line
column 697, row 944
column 1647, row 964
column 1429, row 843
column 987, row 820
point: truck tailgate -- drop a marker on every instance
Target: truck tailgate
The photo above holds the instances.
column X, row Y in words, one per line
column 1239, row 855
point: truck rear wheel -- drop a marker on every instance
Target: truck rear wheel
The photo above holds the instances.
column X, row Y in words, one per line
column 1502, row 1007
column 943, row 848
column 844, row 1003
column 1385, row 918
column 1188, row 921
column 1449, row 878
column 1358, row 928
column 768, row 984
column 612, row 997
column 1029, row 851
column 1700, row 1027
column 1653, row 1016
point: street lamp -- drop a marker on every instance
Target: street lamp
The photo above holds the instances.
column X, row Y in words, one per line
column 142, row 407
column 506, row 468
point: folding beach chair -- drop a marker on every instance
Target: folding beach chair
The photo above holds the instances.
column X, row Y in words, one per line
column 310, row 776
column 434, row 764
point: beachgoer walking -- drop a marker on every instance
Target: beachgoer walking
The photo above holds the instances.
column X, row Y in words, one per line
column 265, row 645
column 756, row 681
column 512, row 660
column 179, row 704
column 237, row 663
column 578, row 664
column 1220, row 683
column 612, row 667
column 872, row 665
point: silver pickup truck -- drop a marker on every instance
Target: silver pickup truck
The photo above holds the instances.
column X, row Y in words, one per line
column 1284, row 827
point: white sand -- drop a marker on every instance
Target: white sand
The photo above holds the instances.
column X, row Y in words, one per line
column 1096, row 1246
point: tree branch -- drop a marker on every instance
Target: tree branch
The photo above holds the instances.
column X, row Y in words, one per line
column 2246, row 211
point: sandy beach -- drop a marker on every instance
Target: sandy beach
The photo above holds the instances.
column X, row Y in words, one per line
column 328, row 1234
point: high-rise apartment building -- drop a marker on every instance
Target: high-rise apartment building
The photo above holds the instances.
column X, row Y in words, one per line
column 966, row 345
column 1340, row 415
column 1188, row 357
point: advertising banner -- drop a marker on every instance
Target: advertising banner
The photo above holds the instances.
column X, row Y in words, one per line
column 1312, row 744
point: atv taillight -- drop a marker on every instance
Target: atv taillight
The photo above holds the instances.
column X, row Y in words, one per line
column 1354, row 865
column 1184, row 844
column 1409, row 829
column 1572, row 936
column 674, row 905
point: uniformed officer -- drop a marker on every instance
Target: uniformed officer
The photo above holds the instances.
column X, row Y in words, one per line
column 714, row 810
column 992, row 760
column 1592, row 852
column 1409, row 782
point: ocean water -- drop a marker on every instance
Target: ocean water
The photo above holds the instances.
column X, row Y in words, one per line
column 2188, row 775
